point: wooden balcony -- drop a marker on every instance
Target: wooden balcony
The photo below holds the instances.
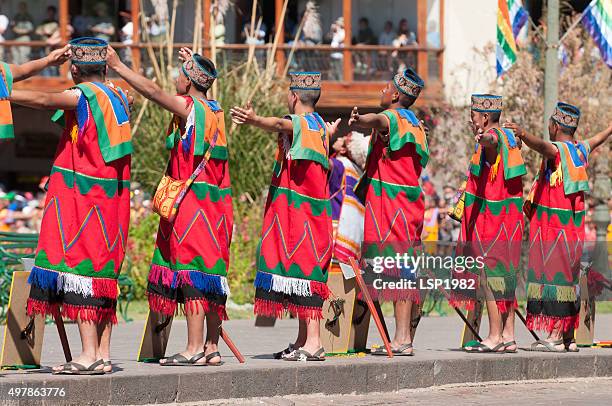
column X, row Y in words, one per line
column 352, row 75
column 370, row 68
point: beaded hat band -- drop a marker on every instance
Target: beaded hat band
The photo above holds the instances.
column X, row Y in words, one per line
column 566, row 115
column 486, row 103
column 409, row 83
column 305, row 81
column 88, row 51
column 198, row 74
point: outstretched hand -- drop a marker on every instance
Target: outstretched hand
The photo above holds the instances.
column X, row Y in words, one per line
column 59, row 56
column 331, row 128
column 112, row 59
column 518, row 131
column 243, row 115
column 185, row 54
column 354, row 117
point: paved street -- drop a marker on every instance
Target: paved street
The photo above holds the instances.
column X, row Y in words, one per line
column 579, row 392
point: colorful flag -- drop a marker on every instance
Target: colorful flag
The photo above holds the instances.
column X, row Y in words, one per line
column 511, row 17
column 597, row 19
column 518, row 16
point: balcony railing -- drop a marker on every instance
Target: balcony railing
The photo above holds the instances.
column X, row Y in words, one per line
column 368, row 63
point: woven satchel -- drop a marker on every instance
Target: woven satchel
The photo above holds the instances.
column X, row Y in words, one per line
column 170, row 192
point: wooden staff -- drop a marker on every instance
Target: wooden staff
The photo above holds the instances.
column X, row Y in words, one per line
column 370, row 303
column 61, row 330
column 231, row 346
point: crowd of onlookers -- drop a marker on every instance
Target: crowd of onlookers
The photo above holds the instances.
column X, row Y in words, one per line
column 100, row 23
column 22, row 212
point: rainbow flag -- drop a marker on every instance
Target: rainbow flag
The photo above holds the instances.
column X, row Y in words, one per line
column 511, row 17
column 597, row 18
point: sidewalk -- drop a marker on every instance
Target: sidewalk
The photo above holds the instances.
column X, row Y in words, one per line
column 437, row 362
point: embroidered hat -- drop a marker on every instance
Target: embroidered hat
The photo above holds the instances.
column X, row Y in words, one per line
column 198, row 73
column 409, row 82
column 88, row 51
column 305, row 81
column 486, row 103
column 566, row 115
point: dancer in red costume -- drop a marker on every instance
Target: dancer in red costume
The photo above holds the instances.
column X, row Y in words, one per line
column 393, row 197
column 87, row 211
column 191, row 257
column 296, row 245
column 555, row 208
column 492, row 225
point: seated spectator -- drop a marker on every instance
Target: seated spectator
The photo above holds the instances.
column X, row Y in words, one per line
column 49, row 25
column 45, row 30
column 365, row 36
column 404, row 35
column 387, row 36
column 102, row 24
column 337, row 35
column 23, row 27
column 125, row 35
column 312, row 33
column 259, row 31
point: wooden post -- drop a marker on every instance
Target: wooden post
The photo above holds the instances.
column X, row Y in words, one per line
column 422, row 68
column 208, row 26
column 280, row 52
column 135, row 10
column 441, row 54
column 348, row 35
column 63, row 23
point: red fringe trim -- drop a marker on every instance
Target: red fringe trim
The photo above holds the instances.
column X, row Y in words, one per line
column 91, row 314
column 462, row 303
column 394, row 295
column 305, row 313
column 166, row 274
column 161, row 304
column 504, row 306
column 42, row 308
column 320, row 289
column 268, row 308
column 542, row 322
column 103, row 287
column 193, row 306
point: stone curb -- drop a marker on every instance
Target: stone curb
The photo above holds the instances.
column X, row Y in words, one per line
column 337, row 376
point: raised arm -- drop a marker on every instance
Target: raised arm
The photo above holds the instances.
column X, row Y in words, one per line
column 146, row 87
column 547, row 149
column 368, row 121
column 45, row 101
column 600, row 138
column 247, row 115
column 31, row 68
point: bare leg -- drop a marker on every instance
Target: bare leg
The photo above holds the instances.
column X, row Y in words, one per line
column 568, row 336
column 508, row 332
column 300, row 341
column 213, row 329
column 495, row 326
column 555, row 335
column 89, row 344
column 195, row 334
column 104, row 340
column 403, row 315
column 313, row 335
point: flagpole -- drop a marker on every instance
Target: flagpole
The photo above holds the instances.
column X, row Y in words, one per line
column 551, row 73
